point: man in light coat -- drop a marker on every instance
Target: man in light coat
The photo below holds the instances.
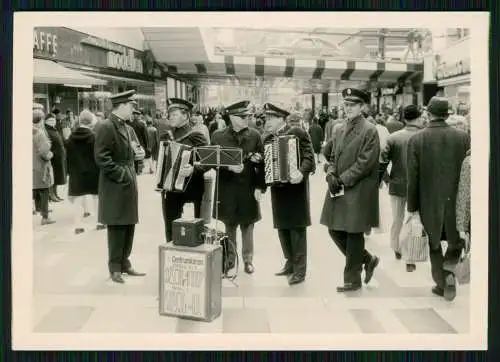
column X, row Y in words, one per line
column 353, row 169
column 395, row 153
column 435, row 157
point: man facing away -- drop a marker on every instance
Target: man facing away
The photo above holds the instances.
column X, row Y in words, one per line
column 435, row 157
column 118, row 196
column 240, row 186
column 395, row 153
column 290, row 201
column 181, row 131
column 353, row 168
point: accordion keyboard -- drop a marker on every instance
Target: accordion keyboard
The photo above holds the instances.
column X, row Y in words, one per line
column 179, row 182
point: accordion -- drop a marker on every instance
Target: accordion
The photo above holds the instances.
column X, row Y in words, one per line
column 281, row 159
column 172, row 157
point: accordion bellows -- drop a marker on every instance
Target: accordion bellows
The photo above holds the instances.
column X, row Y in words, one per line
column 281, row 159
column 172, row 157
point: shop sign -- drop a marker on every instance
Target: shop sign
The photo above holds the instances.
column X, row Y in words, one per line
column 103, row 44
column 71, row 46
column 128, row 61
column 453, row 61
column 453, row 69
column 44, row 43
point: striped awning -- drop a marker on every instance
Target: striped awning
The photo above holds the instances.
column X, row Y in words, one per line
column 250, row 67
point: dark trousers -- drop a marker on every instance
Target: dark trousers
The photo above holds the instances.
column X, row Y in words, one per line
column 120, row 241
column 41, row 197
column 246, row 242
column 294, row 246
column 172, row 207
column 352, row 245
column 443, row 265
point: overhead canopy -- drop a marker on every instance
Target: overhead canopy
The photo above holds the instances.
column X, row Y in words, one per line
column 197, row 53
column 49, row 72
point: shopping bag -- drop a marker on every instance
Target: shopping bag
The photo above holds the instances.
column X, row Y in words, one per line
column 414, row 241
column 462, row 270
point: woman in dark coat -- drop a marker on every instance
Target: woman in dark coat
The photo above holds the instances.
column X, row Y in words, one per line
column 59, row 159
column 82, row 168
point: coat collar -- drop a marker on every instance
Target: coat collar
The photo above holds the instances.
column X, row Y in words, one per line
column 438, row 123
column 181, row 131
column 120, row 125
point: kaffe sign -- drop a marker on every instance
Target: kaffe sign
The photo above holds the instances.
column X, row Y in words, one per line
column 71, row 46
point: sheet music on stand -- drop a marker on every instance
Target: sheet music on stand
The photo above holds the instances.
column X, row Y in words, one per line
column 219, row 156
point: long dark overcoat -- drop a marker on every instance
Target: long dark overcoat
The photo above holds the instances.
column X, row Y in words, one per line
column 82, row 168
column 59, row 159
column 237, row 204
column 118, row 199
column 291, row 202
column 435, row 157
column 354, row 159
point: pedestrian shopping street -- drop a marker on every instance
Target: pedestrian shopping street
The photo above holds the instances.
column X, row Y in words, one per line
column 73, row 292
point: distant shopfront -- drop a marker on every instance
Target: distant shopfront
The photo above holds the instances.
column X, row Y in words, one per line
column 73, row 70
column 448, row 73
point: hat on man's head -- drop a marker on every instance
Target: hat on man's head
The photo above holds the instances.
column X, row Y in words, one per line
column 136, row 111
column 124, row 97
column 411, row 112
column 271, row 109
column 239, row 109
column 438, row 106
column 177, row 103
column 356, row 95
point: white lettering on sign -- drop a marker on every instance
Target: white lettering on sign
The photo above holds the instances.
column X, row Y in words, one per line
column 184, row 283
column 44, row 42
column 447, row 70
column 126, row 61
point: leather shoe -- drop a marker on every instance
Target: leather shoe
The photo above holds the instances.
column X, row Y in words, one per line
column 284, row 271
column 450, row 288
column 370, row 268
column 437, row 291
column 132, row 272
column 296, row 279
column 249, row 269
column 348, row 287
column 117, row 278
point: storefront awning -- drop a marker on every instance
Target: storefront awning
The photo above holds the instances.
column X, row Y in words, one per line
column 250, row 67
column 116, row 78
column 49, row 72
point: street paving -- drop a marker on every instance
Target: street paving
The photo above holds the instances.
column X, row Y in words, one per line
column 73, row 292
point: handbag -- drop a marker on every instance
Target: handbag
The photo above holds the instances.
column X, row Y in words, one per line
column 139, row 153
column 414, row 240
column 462, row 269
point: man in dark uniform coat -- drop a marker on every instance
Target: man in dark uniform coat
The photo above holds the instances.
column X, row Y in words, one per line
column 181, row 131
column 353, row 167
column 435, row 156
column 118, row 199
column 241, row 186
column 290, row 201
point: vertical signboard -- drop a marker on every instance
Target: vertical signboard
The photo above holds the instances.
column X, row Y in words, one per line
column 161, row 96
column 170, row 87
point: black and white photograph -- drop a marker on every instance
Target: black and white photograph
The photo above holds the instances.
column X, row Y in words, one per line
column 220, row 181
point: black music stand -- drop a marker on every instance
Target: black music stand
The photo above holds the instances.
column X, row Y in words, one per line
column 218, row 156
